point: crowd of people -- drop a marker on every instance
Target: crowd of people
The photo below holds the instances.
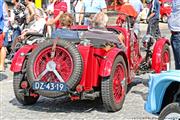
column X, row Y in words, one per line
column 59, row 17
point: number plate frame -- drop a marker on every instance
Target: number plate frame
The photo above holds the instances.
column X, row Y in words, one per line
column 50, row 86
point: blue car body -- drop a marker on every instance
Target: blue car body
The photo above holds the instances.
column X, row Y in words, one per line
column 158, row 83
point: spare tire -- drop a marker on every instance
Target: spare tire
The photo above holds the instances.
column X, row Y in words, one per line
column 67, row 60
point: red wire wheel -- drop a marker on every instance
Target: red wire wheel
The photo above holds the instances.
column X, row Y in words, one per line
column 66, row 61
column 63, row 61
column 118, row 89
column 113, row 88
column 165, row 65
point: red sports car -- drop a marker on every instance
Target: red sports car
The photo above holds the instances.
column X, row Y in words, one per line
column 85, row 69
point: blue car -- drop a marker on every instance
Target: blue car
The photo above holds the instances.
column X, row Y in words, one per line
column 163, row 96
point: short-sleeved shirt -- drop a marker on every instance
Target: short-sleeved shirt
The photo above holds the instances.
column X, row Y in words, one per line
column 128, row 9
column 38, row 25
column 94, row 6
column 58, row 7
column 155, row 8
column 174, row 19
column 137, row 4
column 4, row 23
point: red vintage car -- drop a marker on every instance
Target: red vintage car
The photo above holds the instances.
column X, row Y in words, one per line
column 165, row 10
column 84, row 69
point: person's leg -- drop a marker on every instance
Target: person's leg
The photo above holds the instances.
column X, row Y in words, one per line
column 157, row 30
column 175, row 41
column 149, row 29
column 16, row 33
column 153, row 27
column 3, row 53
column 2, row 58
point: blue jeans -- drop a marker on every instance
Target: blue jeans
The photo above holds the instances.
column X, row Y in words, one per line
column 87, row 21
column 153, row 28
column 175, row 41
column 16, row 33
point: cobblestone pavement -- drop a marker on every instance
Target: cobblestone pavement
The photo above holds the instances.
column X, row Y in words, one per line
column 63, row 109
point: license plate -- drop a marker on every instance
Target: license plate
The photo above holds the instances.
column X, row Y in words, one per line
column 50, row 86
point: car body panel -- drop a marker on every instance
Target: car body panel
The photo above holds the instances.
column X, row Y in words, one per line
column 157, row 53
column 91, row 66
column 19, row 57
column 96, row 63
column 107, row 63
column 158, row 83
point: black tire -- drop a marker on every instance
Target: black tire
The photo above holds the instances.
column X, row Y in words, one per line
column 107, row 88
column 25, row 100
column 76, row 72
column 166, row 48
column 171, row 108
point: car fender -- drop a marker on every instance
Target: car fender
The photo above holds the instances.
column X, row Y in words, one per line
column 157, row 53
column 107, row 62
column 158, row 85
column 19, row 57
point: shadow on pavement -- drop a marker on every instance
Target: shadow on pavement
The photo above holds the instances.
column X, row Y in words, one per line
column 134, row 83
column 142, row 94
column 3, row 76
column 64, row 105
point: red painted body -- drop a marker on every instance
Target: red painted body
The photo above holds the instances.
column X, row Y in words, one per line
column 19, row 57
column 157, row 54
column 91, row 68
column 97, row 62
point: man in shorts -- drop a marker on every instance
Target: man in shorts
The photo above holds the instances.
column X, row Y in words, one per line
column 3, row 33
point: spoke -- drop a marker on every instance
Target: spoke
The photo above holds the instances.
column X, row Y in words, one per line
column 41, row 75
column 58, row 75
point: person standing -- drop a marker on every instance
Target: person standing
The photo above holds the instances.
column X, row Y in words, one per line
column 78, row 4
column 90, row 8
column 60, row 7
column 50, row 13
column 3, row 33
column 18, row 8
column 30, row 12
column 68, row 2
column 128, row 9
column 153, row 19
column 50, row 9
column 137, row 4
column 174, row 26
